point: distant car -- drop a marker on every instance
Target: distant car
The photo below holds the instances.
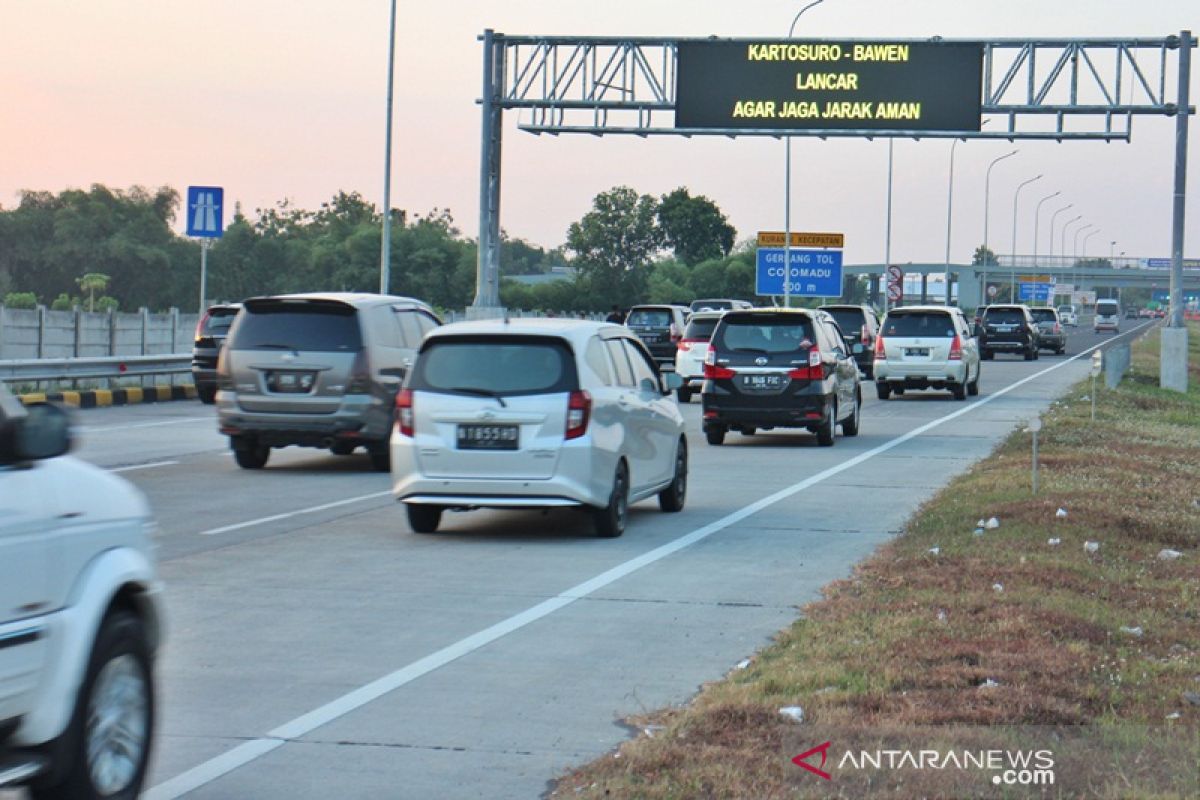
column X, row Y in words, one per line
column 211, row 331
column 1131, row 313
column 80, row 616
column 926, row 347
column 1007, row 328
column 1145, row 313
column 1108, row 316
column 317, row 370
column 860, row 324
column 537, row 413
column 779, row 368
column 689, row 357
column 1051, row 335
column 660, row 327
column 719, row 304
column 1068, row 316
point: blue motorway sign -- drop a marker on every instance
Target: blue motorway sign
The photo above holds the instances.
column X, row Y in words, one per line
column 204, row 206
column 814, row 273
column 1035, row 292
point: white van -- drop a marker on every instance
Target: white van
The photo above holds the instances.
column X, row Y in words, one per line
column 1108, row 316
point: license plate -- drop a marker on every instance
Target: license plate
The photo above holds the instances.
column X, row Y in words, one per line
column 916, row 351
column 291, row 382
column 487, row 437
column 763, row 383
column 649, row 338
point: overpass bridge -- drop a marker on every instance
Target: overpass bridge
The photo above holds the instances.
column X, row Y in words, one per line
column 1085, row 274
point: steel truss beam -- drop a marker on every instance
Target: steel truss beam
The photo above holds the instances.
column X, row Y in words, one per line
column 1058, row 89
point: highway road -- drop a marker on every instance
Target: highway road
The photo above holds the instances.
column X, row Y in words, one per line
column 317, row 648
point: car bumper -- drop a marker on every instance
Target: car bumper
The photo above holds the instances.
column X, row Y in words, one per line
column 361, row 418
column 1004, row 346
column 792, row 411
column 920, row 375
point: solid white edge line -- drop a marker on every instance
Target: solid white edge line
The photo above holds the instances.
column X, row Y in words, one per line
column 287, row 514
column 151, row 465
column 221, row 765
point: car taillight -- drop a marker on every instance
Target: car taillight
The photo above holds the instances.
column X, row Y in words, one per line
column 864, row 336
column 686, row 344
column 579, row 408
column 1057, row 328
column 711, row 370
column 404, row 412
column 956, row 349
column 360, row 374
column 815, row 371
column 200, row 325
column 880, row 350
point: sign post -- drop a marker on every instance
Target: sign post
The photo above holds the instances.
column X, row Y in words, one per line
column 895, row 285
column 204, row 220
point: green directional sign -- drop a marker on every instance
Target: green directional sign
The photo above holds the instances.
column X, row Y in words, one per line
column 909, row 86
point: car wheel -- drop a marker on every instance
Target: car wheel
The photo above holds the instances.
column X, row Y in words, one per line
column 973, row 386
column 342, row 448
column 828, row 429
column 1062, row 350
column 899, row 390
column 959, row 390
column 610, row 520
column 715, row 434
column 883, row 390
column 1030, row 355
column 207, row 394
column 106, row 746
column 248, row 453
column 684, row 394
column 747, row 430
column 672, row 498
column 1036, row 354
column 423, row 518
column 850, row 424
column 381, row 457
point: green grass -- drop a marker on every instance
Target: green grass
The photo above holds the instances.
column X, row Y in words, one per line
column 905, row 642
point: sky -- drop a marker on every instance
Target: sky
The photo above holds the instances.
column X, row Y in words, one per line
column 285, row 99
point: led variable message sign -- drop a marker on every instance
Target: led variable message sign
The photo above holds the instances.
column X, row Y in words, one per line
column 910, row 86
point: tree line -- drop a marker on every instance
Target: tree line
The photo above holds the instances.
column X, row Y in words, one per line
column 110, row 248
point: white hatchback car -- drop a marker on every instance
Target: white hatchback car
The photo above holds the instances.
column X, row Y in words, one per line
column 536, row 413
column 693, row 347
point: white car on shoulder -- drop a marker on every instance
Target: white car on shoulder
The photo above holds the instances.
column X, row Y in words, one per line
column 80, row 617
column 536, row 413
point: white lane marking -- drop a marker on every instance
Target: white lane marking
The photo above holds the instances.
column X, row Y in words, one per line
column 151, row 465
column 285, row 515
column 243, row 754
column 131, row 426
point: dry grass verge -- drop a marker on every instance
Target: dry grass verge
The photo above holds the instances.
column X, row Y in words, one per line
column 943, row 627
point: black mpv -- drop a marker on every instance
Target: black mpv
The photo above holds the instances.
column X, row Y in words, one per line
column 779, row 368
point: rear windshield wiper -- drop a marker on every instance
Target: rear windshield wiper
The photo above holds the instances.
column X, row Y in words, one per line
column 480, row 393
column 273, row 346
column 750, row 350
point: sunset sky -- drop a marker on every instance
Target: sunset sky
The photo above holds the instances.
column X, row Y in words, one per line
column 276, row 99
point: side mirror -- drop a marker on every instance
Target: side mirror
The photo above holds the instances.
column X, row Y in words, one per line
column 44, row 432
column 671, row 382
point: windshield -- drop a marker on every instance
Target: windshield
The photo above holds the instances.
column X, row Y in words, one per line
column 1043, row 315
column 311, row 327
column 919, row 324
column 649, row 318
column 219, row 320
column 764, row 333
column 712, row 305
column 514, row 365
column 701, row 330
column 850, row 320
column 1004, row 316
column 1107, row 309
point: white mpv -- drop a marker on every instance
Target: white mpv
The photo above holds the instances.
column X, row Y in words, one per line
column 536, row 413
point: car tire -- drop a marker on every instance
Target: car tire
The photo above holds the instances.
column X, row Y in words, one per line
column 423, row 518
column 119, row 681
column 827, row 430
column 207, row 394
column 748, row 430
column 715, row 435
column 973, row 386
column 987, row 355
column 959, row 390
column 672, row 498
column 1030, row 355
column 850, row 424
column 684, row 394
column 899, row 391
column 609, row 520
column 883, row 390
column 249, row 453
column 343, row 448
column 381, row 458
column 1062, row 350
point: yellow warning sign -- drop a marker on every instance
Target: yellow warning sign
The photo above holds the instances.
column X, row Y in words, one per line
column 801, row 239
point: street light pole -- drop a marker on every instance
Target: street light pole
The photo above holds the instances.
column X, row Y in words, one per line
column 1067, row 224
column 385, row 245
column 949, row 210
column 1037, row 218
column 1013, row 250
column 1053, row 218
column 987, row 196
column 1075, row 241
column 787, row 188
column 1085, row 241
column 1111, row 247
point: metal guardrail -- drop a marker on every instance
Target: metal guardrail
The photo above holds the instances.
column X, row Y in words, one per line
column 51, row 369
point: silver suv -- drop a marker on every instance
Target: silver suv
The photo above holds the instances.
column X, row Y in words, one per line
column 317, row 370
column 537, row 413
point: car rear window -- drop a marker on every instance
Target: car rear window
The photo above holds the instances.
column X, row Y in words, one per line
column 763, row 333
column 649, row 317
column 700, row 330
column 850, row 320
column 301, row 326
column 511, row 365
column 711, row 305
column 1043, row 315
column 1107, row 309
column 1006, row 316
column 219, row 320
column 919, row 324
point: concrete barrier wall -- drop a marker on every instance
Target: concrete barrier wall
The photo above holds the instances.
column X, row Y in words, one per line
column 42, row 333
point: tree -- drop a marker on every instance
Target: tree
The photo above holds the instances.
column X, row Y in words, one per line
column 92, row 282
column 694, row 227
column 984, row 256
column 613, row 246
column 20, row 300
